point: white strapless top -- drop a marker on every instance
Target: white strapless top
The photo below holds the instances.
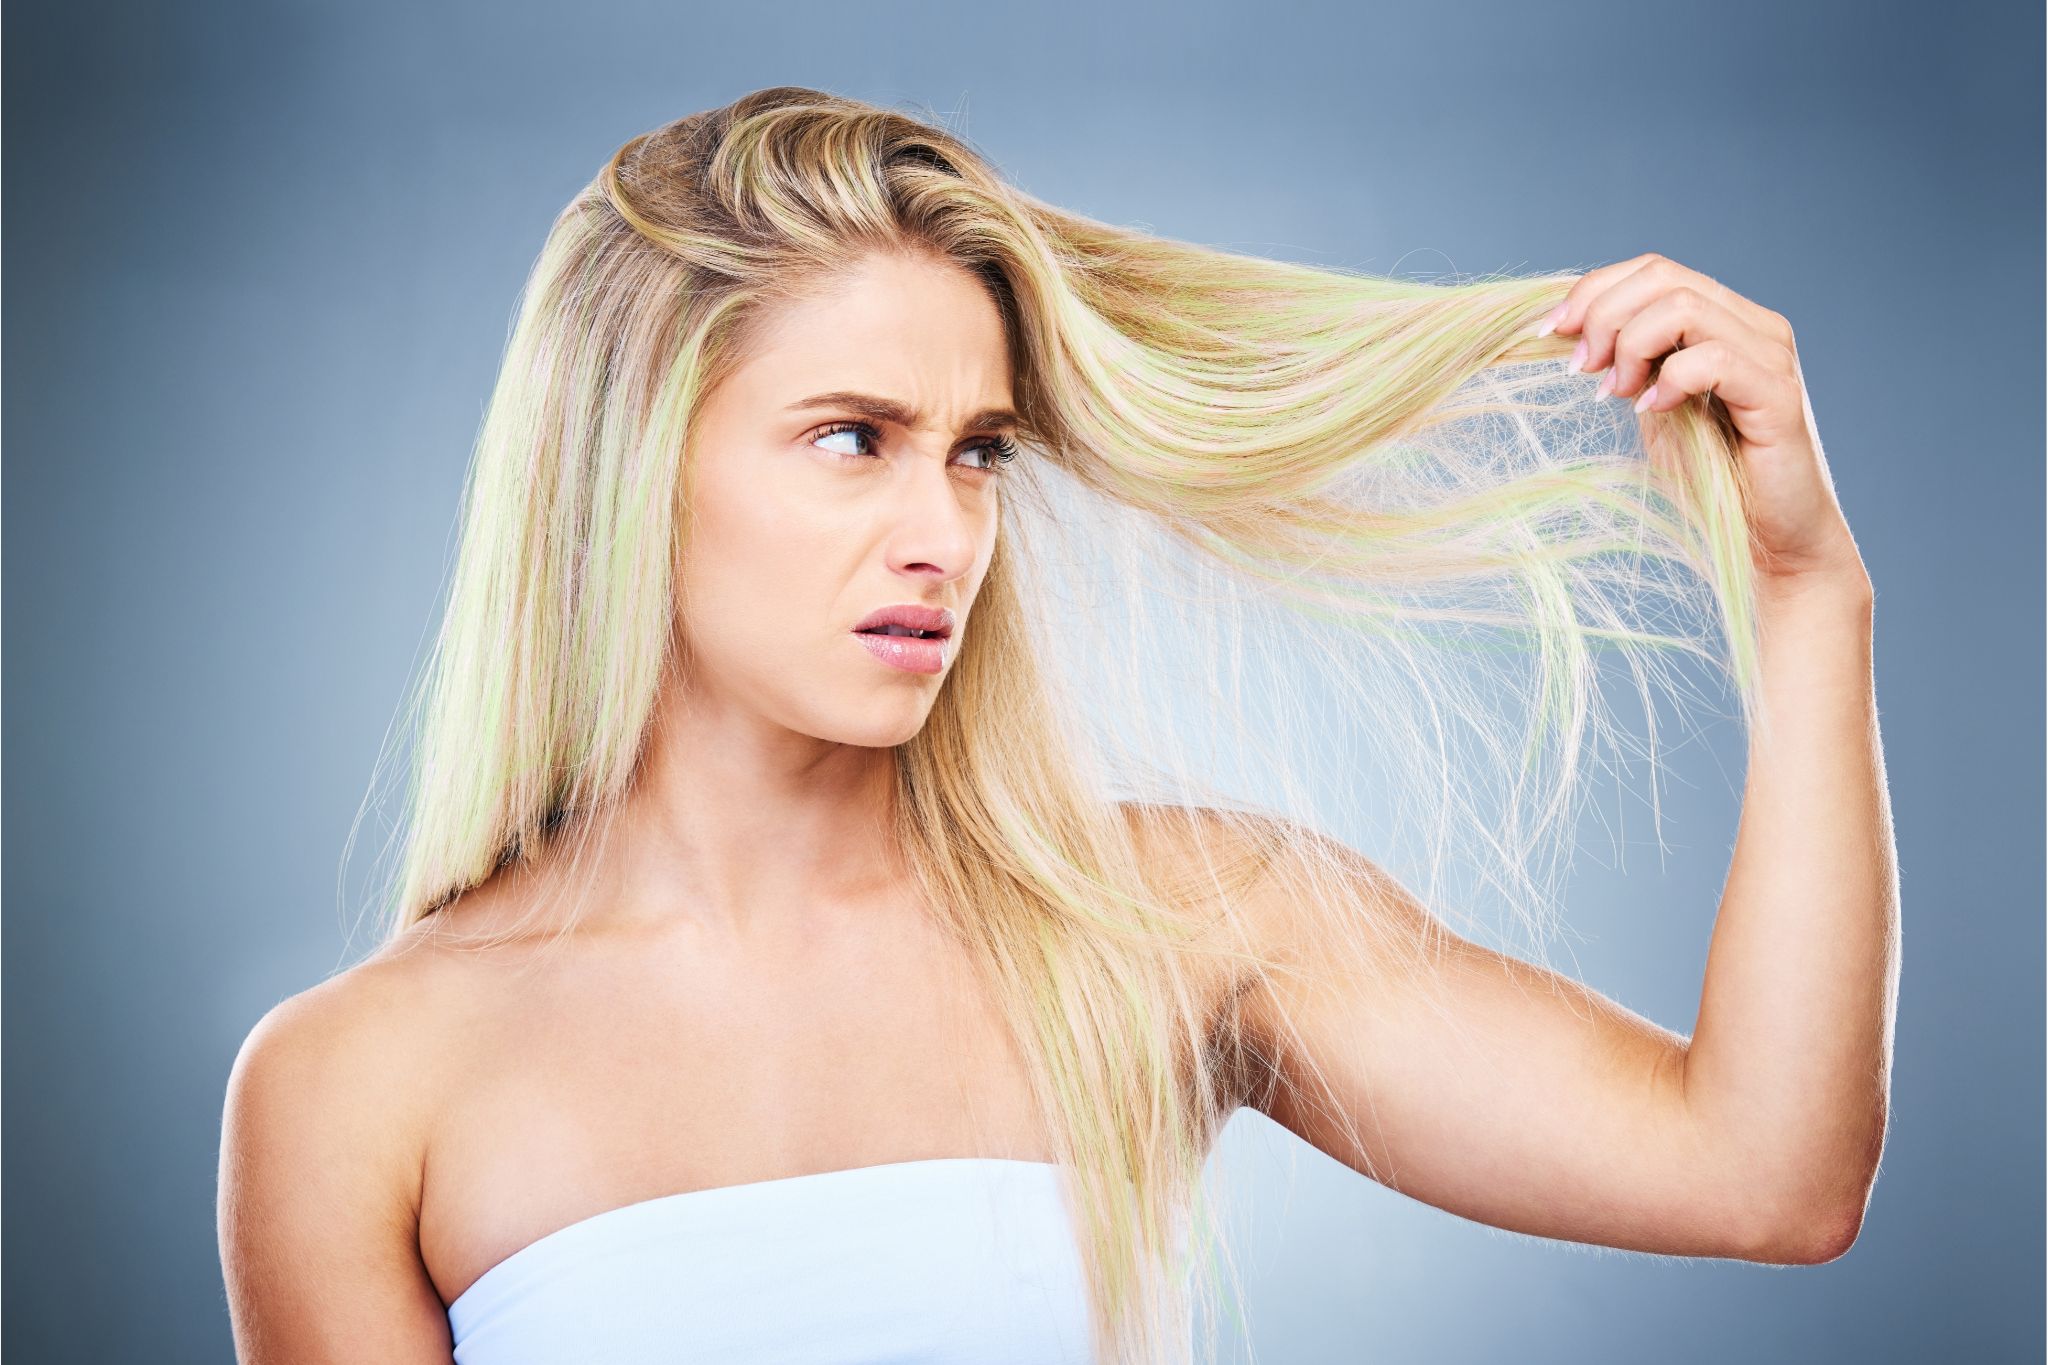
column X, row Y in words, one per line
column 931, row 1262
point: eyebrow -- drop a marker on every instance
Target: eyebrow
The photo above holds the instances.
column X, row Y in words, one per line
column 889, row 410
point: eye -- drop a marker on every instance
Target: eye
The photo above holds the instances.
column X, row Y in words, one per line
column 999, row 451
column 860, row 430
column 996, row 451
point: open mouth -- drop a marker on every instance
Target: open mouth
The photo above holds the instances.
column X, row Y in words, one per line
column 907, row 631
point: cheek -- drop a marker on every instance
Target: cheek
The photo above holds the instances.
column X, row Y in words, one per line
column 752, row 571
column 987, row 553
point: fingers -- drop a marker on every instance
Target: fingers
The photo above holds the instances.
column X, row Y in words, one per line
column 1645, row 276
column 1761, row 397
column 1682, row 318
column 1567, row 316
column 1650, row 317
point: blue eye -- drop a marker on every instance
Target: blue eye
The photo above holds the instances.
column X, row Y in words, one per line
column 997, row 450
column 860, row 429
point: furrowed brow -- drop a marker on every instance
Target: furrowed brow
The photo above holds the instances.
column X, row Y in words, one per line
column 889, row 410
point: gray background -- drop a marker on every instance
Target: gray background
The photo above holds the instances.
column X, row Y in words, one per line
column 263, row 258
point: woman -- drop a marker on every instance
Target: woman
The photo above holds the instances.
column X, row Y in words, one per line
column 779, row 962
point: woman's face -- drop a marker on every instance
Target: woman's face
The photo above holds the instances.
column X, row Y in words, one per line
column 848, row 465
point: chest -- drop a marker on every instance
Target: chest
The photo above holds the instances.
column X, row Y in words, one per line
column 621, row 1073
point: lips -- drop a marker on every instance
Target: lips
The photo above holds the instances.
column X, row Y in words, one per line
column 909, row 653
column 908, row 619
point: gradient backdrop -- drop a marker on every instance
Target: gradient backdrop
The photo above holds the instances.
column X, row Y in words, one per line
column 262, row 262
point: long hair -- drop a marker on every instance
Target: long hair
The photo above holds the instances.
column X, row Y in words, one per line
column 1357, row 519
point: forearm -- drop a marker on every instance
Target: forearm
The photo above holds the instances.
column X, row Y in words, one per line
column 1789, row 1064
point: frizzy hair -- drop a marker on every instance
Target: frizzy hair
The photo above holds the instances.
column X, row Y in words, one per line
column 1270, row 472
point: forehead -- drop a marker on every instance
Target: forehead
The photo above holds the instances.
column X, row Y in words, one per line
column 910, row 328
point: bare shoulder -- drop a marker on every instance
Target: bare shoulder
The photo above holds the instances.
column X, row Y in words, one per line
column 1312, row 916
column 1320, row 924
column 1285, row 897
column 322, row 1149
column 351, row 1063
column 359, row 1028
column 1195, row 850
column 1277, row 873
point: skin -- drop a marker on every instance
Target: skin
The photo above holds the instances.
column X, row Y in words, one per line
column 749, row 995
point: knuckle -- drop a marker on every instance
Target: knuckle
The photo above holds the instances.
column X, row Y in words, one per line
column 1685, row 361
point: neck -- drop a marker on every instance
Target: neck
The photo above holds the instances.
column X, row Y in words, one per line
column 736, row 823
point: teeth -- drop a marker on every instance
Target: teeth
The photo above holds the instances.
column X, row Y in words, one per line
column 902, row 630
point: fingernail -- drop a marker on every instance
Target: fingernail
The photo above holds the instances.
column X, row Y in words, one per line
column 1579, row 355
column 1649, row 397
column 1550, row 323
column 1606, row 384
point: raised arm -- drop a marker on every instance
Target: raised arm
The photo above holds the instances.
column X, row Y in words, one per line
column 1510, row 1095
column 1505, row 1093
column 1790, row 1060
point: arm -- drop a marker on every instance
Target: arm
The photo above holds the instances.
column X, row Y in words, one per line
column 1514, row 1097
column 1790, row 1061
column 1486, row 1086
column 319, row 1185
column 1505, row 1093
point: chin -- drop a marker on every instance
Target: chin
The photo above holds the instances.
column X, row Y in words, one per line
column 873, row 722
column 883, row 732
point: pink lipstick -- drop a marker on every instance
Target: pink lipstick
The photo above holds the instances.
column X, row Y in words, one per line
column 907, row 636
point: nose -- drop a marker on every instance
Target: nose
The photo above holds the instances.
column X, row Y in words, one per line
column 935, row 524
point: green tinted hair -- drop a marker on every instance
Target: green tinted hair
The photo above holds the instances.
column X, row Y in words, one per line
column 1286, row 546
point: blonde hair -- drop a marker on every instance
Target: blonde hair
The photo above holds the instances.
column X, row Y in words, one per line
column 1379, row 483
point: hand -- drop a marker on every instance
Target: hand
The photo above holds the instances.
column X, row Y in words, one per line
column 1669, row 332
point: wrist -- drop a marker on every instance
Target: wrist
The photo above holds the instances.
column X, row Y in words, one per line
column 1843, row 583
column 1817, row 599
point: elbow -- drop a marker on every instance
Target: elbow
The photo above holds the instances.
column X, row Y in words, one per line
column 1816, row 1229
column 1823, row 1236
column 1810, row 1230
column 1817, row 1218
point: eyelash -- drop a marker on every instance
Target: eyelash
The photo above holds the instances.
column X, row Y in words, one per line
column 1001, row 448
